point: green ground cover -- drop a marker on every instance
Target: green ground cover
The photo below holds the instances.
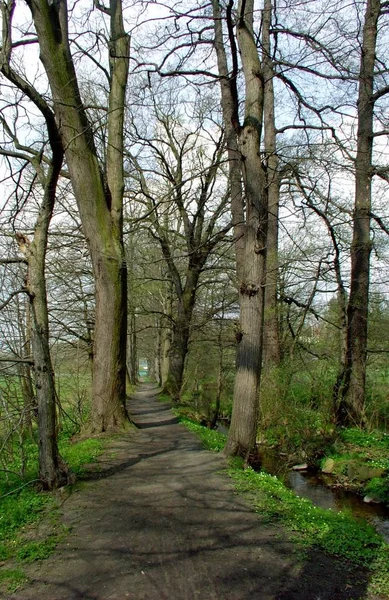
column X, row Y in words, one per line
column 339, row 534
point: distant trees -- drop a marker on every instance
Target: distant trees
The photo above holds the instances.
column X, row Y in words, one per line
column 184, row 191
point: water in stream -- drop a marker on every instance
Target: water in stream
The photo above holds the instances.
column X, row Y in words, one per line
column 312, row 485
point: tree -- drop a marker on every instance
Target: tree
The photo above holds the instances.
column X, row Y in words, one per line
column 351, row 407
column 271, row 341
column 99, row 194
column 52, row 470
column 186, row 201
column 250, row 217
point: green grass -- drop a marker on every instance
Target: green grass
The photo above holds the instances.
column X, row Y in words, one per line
column 78, row 455
column 211, row 439
column 21, row 508
column 338, row 534
column 12, row 579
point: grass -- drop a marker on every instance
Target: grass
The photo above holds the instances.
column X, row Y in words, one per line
column 22, row 508
column 338, row 534
column 211, row 439
column 12, row 579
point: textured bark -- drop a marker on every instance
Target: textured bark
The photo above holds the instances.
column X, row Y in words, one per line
column 166, row 335
column 251, row 224
column 25, row 371
column 132, row 353
column 271, row 341
column 99, row 203
column 181, row 332
column 351, row 409
column 53, row 472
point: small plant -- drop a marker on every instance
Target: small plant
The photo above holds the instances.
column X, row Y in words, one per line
column 31, row 551
column 12, row 579
column 378, row 487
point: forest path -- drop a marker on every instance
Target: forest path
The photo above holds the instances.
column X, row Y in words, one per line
column 160, row 521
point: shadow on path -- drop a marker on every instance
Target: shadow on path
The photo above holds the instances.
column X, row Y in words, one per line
column 161, row 521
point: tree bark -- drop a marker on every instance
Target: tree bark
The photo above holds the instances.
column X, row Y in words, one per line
column 181, row 333
column 99, row 203
column 166, row 334
column 251, row 224
column 351, row 410
column 53, row 472
column 271, row 341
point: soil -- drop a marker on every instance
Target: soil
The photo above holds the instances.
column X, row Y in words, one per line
column 160, row 520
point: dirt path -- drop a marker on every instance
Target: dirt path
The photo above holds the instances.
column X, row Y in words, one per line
column 160, row 522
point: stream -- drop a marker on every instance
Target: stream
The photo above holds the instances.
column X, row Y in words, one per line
column 313, row 485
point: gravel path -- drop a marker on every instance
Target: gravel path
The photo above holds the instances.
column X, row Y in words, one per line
column 160, row 521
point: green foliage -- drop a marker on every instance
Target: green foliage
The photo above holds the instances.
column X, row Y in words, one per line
column 31, row 551
column 12, row 579
column 295, row 416
column 164, row 398
column 211, row 439
column 78, row 455
column 339, row 534
column 379, row 488
column 19, row 509
column 365, row 439
column 26, row 506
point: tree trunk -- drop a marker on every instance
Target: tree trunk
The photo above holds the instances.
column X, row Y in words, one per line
column 271, row 342
column 132, row 353
column 181, row 334
column 166, row 335
column 25, row 375
column 53, row 472
column 100, row 204
column 242, row 433
column 352, row 408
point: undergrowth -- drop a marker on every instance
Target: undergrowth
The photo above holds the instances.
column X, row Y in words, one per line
column 22, row 506
column 211, row 439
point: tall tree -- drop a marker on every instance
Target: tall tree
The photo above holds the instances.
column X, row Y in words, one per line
column 52, row 470
column 250, row 216
column 188, row 167
column 99, row 194
column 271, row 341
column 351, row 385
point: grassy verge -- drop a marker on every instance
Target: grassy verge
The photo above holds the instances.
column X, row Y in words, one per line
column 23, row 508
column 338, row 534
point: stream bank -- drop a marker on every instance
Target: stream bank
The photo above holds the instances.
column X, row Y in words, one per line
column 323, row 490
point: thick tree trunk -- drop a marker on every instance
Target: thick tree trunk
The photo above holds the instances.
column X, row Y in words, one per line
column 249, row 225
column 352, row 407
column 271, row 341
column 177, row 356
column 100, row 205
column 242, row 433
